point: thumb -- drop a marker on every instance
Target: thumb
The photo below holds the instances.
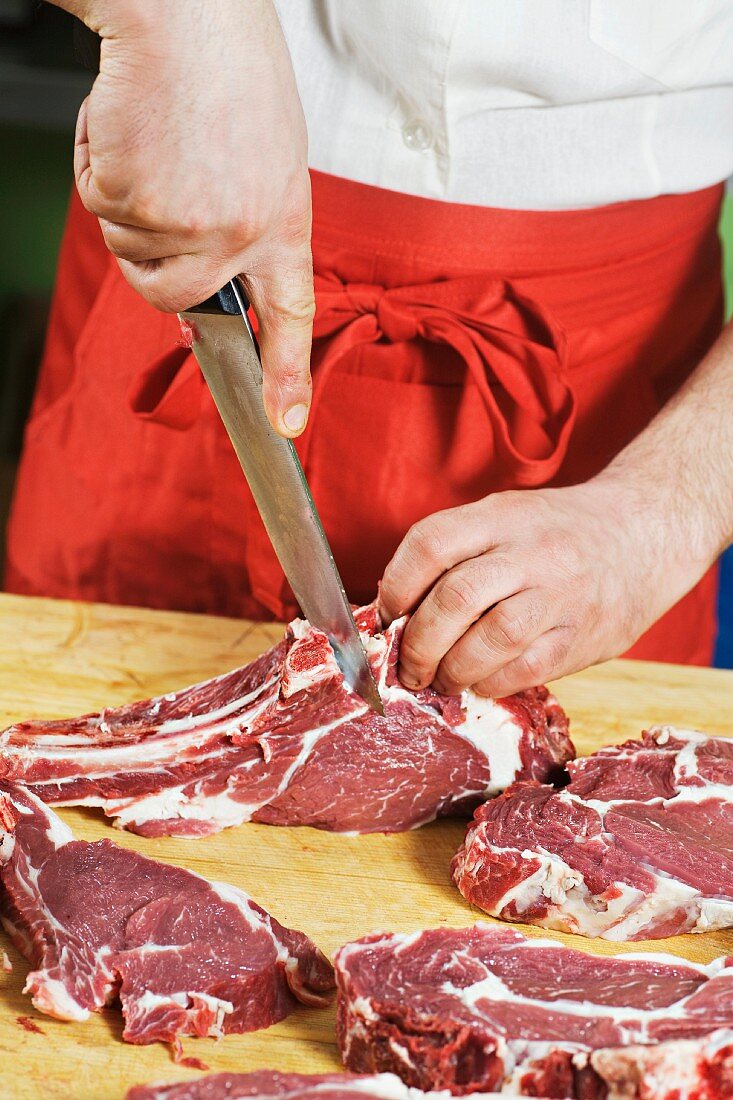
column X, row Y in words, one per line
column 284, row 303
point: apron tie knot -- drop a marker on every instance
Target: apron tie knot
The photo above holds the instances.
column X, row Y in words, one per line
column 396, row 320
column 513, row 350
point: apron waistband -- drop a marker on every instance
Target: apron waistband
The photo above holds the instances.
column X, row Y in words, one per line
column 513, row 242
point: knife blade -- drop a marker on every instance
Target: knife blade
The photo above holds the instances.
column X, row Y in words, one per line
column 226, row 350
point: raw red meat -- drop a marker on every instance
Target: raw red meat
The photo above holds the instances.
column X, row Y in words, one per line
column 284, row 741
column 483, row 1008
column 184, row 956
column 638, row 846
column 267, row 1085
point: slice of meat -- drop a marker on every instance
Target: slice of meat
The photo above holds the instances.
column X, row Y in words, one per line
column 484, row 1008
column 638, row 846
column 284, row 741
column 184, row 956
column 682, row 1070
column 268, row 1084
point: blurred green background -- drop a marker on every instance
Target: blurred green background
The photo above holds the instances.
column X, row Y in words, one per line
column 34, row 188
column 35, row 180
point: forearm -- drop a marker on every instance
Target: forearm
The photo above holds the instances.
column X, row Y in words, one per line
column 680, row 468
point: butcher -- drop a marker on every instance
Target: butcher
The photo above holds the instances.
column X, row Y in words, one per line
column 480, row 239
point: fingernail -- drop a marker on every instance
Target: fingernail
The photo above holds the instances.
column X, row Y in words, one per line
column 446, row 689
column 295, row 417
column 408, row 680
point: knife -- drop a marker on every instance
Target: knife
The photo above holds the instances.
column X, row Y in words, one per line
column 226, row 350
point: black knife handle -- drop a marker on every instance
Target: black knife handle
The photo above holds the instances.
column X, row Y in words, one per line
column 226, row 300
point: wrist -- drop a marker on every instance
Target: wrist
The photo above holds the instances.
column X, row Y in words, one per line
column 667, row 526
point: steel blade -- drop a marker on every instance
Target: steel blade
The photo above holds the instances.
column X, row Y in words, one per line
column 226, row 350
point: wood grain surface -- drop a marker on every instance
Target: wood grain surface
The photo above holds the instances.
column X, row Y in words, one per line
column 60, row 659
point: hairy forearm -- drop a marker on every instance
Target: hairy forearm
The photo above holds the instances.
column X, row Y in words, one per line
column 681, row 467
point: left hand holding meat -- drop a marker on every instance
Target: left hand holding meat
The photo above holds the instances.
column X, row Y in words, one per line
column 522, row 587
column 526, row 586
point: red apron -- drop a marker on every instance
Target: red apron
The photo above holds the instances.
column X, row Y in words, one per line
column 458, row 351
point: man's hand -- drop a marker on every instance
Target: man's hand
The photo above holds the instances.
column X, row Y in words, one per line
column 191, row 150
column 523, row 587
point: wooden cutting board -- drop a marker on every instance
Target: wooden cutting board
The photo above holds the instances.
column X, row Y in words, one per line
column 59, row 659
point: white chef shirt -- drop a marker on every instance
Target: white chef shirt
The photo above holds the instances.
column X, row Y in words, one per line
column 530, row 104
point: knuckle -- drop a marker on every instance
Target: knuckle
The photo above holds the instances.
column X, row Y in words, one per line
column 200, row 224
column 120, row 241
column 115, row 242
column 533, row 666
column 425, row 541
column 144, row 204
column 508, row 511
column 140, row 206
column 151, row 280
column 535, row 614
column 251, row 223
column 556, row 657
column 458, row 594
column 295, row 223
column 504, row 628
column 296, row 310
column 544, row 662
column 285, row 298
column 561, row 550
column 288, row 377
column 513, row 629
column 505, row 501
column 95, row 203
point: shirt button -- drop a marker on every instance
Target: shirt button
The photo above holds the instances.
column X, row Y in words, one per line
column 417, row 135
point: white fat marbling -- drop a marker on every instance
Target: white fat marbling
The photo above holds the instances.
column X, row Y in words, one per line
column 53, row 998
column 494, row 732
